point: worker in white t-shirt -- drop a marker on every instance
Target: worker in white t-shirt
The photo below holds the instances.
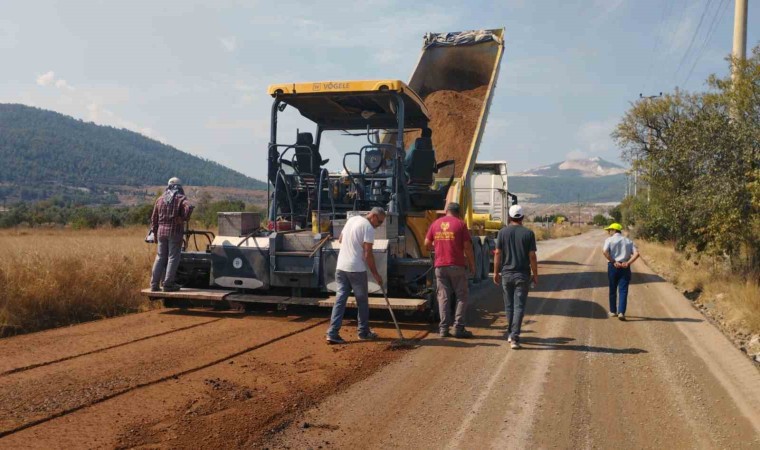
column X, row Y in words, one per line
column 354, row 258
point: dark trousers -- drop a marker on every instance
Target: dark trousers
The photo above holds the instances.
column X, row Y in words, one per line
column 619, row 279
column 450, row 280
column 516, row 287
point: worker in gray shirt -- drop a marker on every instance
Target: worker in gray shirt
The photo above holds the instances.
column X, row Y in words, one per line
column 516, row 247
column 620, row 253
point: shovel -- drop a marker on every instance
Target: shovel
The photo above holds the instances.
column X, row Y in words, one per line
column 401, row 342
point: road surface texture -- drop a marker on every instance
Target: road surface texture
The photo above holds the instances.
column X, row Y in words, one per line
column 665, row 378
column 213, row 379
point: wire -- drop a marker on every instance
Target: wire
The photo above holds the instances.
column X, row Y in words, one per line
column 658, row 38
column 693, row 37
column 717, row 18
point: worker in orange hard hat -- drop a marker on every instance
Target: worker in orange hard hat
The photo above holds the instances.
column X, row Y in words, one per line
column 620, row 253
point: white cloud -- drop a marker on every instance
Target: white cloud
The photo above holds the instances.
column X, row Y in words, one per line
column 229, row 43
column 46, row 78
column 62, row 84
column 104, row 116
column 595, row 137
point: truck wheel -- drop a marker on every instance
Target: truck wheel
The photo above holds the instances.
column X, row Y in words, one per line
column 487, row 249
column 432, row 315
column 477, row 251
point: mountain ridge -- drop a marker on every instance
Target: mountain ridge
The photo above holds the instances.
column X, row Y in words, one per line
column 589, row 180
column 41, row 148
column 584, row 167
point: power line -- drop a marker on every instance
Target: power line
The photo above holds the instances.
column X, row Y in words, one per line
column 658, row 38
column 693, row 37
column 717, row 18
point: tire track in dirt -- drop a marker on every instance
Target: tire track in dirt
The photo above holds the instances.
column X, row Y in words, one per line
column 103, row 349
column 35, row 348
column 233, row 404
column 175, row 376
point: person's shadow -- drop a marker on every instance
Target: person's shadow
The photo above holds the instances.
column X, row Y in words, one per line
column 563, row 343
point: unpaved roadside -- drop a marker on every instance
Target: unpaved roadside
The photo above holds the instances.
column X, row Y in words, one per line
column 167, row 378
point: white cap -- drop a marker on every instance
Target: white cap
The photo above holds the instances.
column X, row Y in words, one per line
column 174, row 180
column 516, row 212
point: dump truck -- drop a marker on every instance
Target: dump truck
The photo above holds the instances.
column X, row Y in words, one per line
column 387, row 160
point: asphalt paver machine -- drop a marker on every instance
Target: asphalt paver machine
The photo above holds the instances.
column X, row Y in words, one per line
column 289, row 257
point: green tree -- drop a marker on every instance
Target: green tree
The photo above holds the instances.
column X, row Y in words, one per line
column 699, row 155
column 600, row 220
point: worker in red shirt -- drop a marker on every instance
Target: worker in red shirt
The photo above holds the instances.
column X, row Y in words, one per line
column 450, row 239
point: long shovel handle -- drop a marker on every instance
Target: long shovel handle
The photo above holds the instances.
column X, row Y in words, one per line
column 393, row 316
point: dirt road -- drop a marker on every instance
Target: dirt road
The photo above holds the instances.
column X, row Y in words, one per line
column 206, row 379
column 663, row 379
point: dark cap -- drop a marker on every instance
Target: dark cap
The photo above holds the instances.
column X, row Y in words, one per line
column 453, row 207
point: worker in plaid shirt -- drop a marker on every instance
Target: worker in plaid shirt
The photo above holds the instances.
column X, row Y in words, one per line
column 170, row 213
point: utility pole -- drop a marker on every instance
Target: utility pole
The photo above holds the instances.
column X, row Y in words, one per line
column 739, row 51
column 579, row 210
column 740, row 32
column 649, row 144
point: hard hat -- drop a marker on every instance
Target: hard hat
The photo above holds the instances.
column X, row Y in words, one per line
column 516, row 212
column 174, row 180
column 615, row 226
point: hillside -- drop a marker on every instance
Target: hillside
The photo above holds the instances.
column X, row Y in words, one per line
column 588, row 168
column 43, row 152
column 594, row 180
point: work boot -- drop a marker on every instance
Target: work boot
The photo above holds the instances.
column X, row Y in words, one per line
column 444, row 333
column 462, row 334
column 335, row 339
column 171, row 287
column 155, row 289
column 368, row 336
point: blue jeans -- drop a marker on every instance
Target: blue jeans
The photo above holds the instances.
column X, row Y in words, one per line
column 346, row 282
column 619, row 279
column 516, row 286
column 167, row 261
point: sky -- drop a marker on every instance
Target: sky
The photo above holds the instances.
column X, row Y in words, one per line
column 193, row 74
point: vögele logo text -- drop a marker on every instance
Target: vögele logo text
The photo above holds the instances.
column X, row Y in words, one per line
column 332, row 86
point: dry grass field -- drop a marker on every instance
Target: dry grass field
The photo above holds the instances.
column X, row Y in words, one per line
column 57, row 277
column 726, row 297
